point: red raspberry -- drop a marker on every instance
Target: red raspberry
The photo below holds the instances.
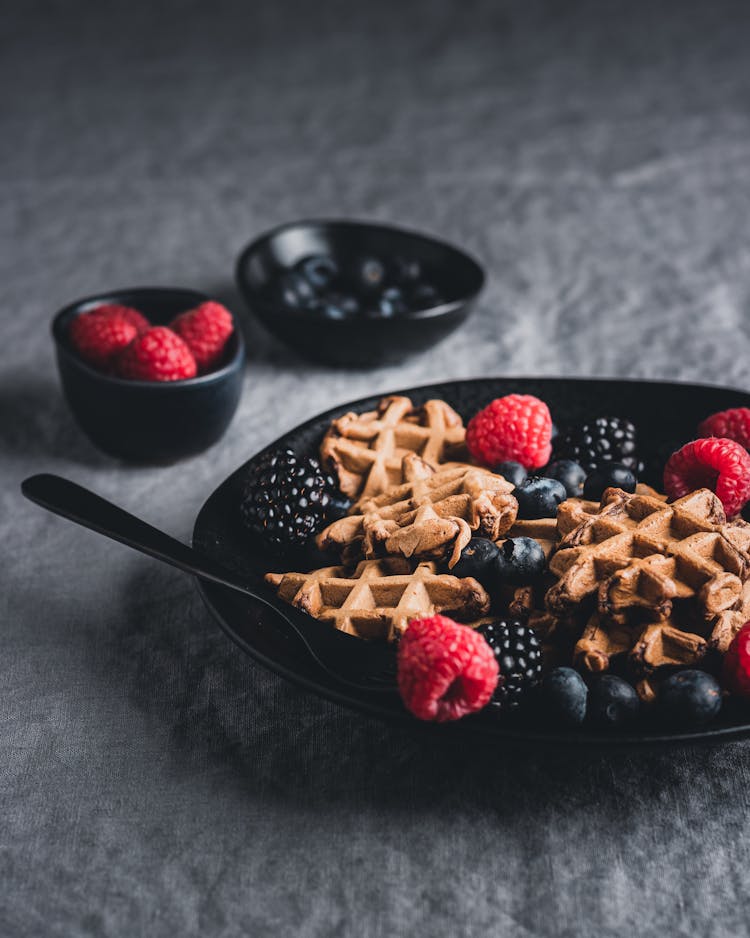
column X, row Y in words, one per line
column 736, row 668
column 517, row 427
column 713, row 463
column 97, row 339
column 731, row 424
column 205, row 331
column 113, row 310
column 157, row 355
column 445, row 670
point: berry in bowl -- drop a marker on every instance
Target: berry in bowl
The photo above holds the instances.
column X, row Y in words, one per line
column 350, row 293
column 151, row 374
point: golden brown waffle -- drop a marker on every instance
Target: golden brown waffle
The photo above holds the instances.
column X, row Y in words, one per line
column 666, row 581
column 366, row 451
column 434, row 515
column 651, row 645
column 574, row 511
column 729, row 622
column 380, row 597
column 640, row 552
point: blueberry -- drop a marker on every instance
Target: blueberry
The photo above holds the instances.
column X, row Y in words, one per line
column 689, row 698
column 406, row 270
column 424, row 296
column 613, row 703
column 477, row 559
column 392, row 302
column 569, row 473
column 319, row 270
column 611, row 474
column 369, row 273
column 563, row 696
column 339, row 305
column 295, row 291
column 519, row 561
column 514, row 472
column 539, row 497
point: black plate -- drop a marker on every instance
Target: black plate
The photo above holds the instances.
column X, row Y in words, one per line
column 666, row 415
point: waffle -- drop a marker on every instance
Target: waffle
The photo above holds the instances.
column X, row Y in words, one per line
column 729, row 622
column 666, row 582
column 379, row 598
column 650, row 646
column 366, row 451
column 434, row 515
column 640, row 552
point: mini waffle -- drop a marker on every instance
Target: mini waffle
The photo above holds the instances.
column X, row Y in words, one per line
column 640, row 552
column 366, row 451
column 650, row 645
column 729, row 623
column 667, row 582
column 434, row 515
column 380, row 597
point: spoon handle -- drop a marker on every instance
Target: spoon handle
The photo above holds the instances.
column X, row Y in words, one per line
column 92, row 511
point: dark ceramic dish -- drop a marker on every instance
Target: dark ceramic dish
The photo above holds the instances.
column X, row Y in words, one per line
column 257, row 630
column 149, row 421
column 360, row 340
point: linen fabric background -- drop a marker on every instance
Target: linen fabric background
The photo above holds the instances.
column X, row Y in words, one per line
column 154, row 780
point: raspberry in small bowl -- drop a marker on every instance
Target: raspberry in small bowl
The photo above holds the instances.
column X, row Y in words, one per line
column 151, row 374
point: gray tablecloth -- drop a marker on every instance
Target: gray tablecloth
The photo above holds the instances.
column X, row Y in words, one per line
column 153, row 780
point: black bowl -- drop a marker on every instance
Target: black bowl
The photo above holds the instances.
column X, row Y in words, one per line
column 149, row 421
column 361, row 339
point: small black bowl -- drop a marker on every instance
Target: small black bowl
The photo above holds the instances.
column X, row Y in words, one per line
column 360, row 339
column 149, row 421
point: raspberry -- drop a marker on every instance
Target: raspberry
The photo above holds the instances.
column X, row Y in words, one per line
column 517, row 427
column 205, row 331
column 98, row 339
column 736, row 667
column 731, row 424
column 445, row 670
column 157, row 355
column 114, row 310
column 714, row 463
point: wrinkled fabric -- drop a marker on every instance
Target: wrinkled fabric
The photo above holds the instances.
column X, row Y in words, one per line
column 155, row 781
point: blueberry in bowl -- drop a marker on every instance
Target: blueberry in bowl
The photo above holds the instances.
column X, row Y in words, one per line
column 373, row 294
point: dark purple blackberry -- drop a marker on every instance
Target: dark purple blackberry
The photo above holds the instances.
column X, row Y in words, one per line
column 287, row 499
column 606, row 439
column 519, row 657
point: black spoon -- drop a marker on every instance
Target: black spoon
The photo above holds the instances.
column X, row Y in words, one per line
column 365, row 665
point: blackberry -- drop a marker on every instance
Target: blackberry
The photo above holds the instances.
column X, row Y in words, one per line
column 606, row 439
column 288, row 498
column 519, row 656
